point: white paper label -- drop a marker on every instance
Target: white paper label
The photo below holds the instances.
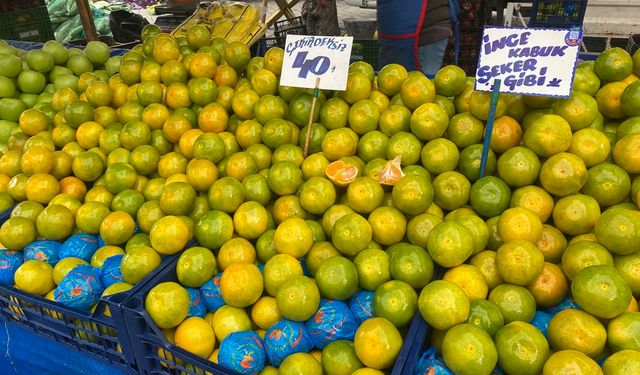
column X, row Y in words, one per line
column 307, row 58
column 530, row 61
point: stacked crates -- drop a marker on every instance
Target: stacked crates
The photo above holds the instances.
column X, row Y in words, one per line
column 294, row 26
column 365, row 50
column 471, row 21
column 26, row 20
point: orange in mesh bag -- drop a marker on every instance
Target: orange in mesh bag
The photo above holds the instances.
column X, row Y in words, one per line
column 391, row 172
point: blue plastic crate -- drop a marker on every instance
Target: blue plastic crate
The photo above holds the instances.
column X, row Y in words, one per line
column 408, row 355
column 422, row 336
column 96, row 334
column 557, row 13
column 4, row 215
column 154, row 354
column 263, row 45
column 421, row 332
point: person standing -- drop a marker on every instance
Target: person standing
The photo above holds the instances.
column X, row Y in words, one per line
column 414, row 33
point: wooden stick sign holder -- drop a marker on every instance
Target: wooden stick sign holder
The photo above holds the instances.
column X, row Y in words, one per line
column 86, row 18
column 495, row 94
column 314, row 102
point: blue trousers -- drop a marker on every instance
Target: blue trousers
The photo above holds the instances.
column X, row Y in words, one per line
column 431, row 56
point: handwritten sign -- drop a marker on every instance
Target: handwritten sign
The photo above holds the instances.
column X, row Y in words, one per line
column 531, row 61
column 309, row 57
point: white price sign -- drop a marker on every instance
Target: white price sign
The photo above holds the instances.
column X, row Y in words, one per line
column 307, row 58
column 530, row 61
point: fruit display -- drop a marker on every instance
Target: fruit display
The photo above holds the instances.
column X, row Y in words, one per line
column 556, row 274
column 188, row 148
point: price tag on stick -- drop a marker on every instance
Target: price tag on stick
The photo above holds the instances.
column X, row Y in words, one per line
column 489, row 128
column 529, row 61
column 307, row 58
column 314, row 103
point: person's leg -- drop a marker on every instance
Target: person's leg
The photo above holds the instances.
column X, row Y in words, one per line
column 431, row 56
column 400, row 53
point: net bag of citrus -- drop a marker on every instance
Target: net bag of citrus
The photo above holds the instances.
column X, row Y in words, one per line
column 243, row 352
column 45, row 250
column 210, row 293
column 284, row 338
column 196, row 304
column 567, row 303
column 541, row 321
column 361, row 305
column 9, row 262
column 332, row 321
column 110, row 273
column 80, row 289
column 80, row 245
column 431, row 363
column 391, row 172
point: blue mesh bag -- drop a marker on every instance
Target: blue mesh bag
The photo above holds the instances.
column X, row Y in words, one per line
column 567, row 303
column 305, row 268
column 44, row 250
column 101, row 242
column 110, row 272
column 284, row 338
column 431, row 363
column 361, row 305
column 210, row 293
column 81, row 288
column 9, row 262
column 243, row 352
column 541, row 321
column 80, row 245
column 196, row 307
column 332, row 321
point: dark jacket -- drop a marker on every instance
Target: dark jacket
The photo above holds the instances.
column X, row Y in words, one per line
column 436, row 24
column 401, row 24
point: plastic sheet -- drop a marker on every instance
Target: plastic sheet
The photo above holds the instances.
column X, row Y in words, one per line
column 243, row 352
column 284, row 338
column 9, row 263
column 81, row 288
column 361, row 305
column 42, row 250
column 66, row 20
column 197, row 307
column 24, row 352
column 332, row 321
column 80, row 245
column 111, row 273
column 431, row 363
column 210, row 293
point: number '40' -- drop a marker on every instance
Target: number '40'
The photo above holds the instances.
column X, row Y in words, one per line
column 318, row 65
